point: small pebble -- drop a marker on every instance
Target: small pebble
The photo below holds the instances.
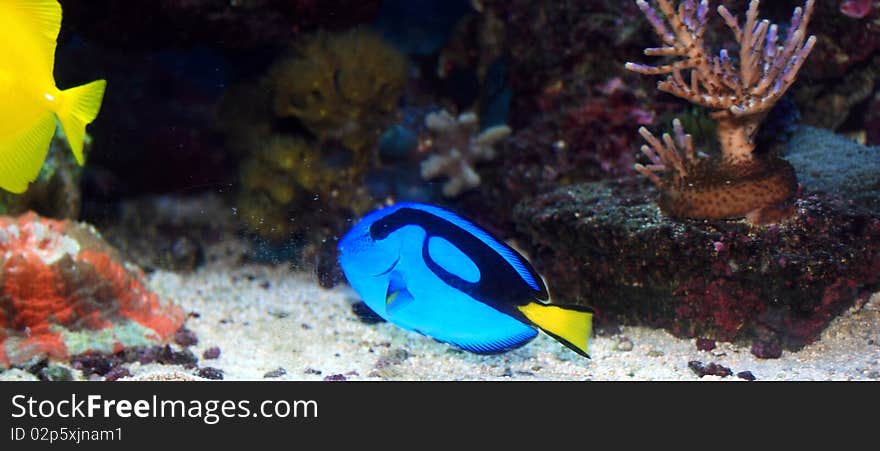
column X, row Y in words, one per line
column 705, row 344
column 608, row 330
column 211, row 373
column 277, row 372
column 280, row 314
column 766, row 350
column 747, row 375
column 185, row 337
column 624, row 344
column 312, row 371
column 211, row 353
column 93, row 363
column 712, row 369
column 392, row 357
column 335, row 378
column 117, row 373
column 55, row 373
column 384, row 373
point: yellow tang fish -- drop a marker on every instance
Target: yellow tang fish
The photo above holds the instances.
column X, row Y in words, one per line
column 29, row 100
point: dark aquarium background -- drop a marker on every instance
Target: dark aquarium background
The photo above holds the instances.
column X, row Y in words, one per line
column 277, row 124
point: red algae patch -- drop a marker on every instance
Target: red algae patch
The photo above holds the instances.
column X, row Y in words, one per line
column 65, row 291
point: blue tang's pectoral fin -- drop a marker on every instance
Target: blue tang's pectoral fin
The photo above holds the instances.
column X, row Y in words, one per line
column 479, row 345
column 397, row 297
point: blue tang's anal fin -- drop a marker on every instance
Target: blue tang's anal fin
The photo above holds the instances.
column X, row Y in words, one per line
column 494, row 346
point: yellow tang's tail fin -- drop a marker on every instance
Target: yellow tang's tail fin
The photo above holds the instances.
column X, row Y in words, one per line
column 571, row 325
column 22, row 154
column 78, row 107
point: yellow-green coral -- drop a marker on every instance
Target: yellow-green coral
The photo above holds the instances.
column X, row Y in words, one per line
column 342, row 86
column 344, row 89
column 286, row 177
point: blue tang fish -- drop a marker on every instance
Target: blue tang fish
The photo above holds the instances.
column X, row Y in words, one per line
column 428, row 270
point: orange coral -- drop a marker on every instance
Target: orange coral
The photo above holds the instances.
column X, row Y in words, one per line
column 64, row 292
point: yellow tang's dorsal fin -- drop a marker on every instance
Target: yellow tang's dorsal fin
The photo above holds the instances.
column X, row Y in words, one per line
column 44, row 16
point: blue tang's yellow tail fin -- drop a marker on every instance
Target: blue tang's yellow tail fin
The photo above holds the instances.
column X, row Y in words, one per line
column 569, row 324
column 79, row 107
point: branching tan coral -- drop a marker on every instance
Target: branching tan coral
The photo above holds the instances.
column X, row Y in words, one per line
column 741, row 95
column 458, row 147
column 741, row 89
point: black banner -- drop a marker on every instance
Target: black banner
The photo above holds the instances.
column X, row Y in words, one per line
column 101, row 415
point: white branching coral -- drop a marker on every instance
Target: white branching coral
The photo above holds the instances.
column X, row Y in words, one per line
column 458, row 146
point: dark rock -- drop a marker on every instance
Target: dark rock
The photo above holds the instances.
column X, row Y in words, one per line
column 327, row 268
column 712, row 369
column 747, row 375
column 211, row 353
column 335, row 378
column 156, row 232
column 211, row 373
column 766, row 350
column 312, row 371
column 365, row 314
column 277, row 372
column 705, row 344
column 185, row 253
column 606, row 244
column 185, row 337
column 166, row 355
column 94, row 363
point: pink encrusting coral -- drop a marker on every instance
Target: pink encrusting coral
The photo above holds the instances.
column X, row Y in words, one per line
column 857, row 9
column 742, row 182
column 64, row 291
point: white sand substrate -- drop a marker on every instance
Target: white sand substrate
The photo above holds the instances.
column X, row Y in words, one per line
column 268, row 317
